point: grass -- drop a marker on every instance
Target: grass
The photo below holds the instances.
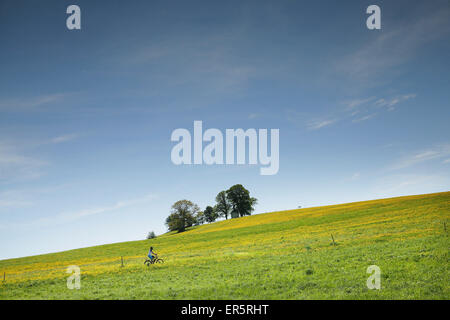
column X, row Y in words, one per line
column 278, row 255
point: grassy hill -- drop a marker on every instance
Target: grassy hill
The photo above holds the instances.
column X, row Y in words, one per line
column 278, row 255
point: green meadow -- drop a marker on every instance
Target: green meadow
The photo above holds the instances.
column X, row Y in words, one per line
column 278, row 255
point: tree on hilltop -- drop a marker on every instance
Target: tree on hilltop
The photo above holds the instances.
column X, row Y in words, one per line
column 182, row 215
column 210, row 214
column 223, row 205
column 241, row 202
column 199, row 218
column 151, row 235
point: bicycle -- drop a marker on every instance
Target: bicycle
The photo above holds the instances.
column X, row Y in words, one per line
column 148, row 262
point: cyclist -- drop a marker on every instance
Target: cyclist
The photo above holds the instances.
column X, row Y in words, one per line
column 152, row 254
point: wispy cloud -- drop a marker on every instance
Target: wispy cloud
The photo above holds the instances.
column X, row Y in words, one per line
column 358, row 106
column 64, row 138
column 33, row 103
column 319, row 124
column 364, row 118
column 404, row 184
column 359, row 110
column 15, row 165
column 436, row 152
column 355, row 176
column 66, row 217
column 390, row 103
column 107, row 208
column 353, row 104
column 16, row 162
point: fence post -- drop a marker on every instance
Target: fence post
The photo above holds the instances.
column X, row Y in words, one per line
column 332, row 238
column 121, row 258
column 4, row 276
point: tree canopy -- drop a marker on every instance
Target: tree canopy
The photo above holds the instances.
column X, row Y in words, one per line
column 241, row 202
column 234, row 202
column 223, row 206
column 182, row 215
column 210, row 214
column 199, row 218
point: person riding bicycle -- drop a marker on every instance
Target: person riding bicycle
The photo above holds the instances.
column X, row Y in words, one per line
column 152, row 254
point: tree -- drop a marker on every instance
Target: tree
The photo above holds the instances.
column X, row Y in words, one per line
column 210, row 214
column 241, row 202
column 182, row 215
column 151, row 235
column 223, row 206
column 199, row 218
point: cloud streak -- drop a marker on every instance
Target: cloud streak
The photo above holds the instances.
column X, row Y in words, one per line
column 64, row 138
column 66, row 217
column 404, row 184
column 29, row 104
column 416, row 158
column 360, row 109
column 390, row 103
column 319, row 124
column 16, row 166
column 102, row 209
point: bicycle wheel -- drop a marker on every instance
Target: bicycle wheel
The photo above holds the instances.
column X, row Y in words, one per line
column 159, row 261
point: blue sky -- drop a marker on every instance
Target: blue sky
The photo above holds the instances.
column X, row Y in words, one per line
column 86, row 115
